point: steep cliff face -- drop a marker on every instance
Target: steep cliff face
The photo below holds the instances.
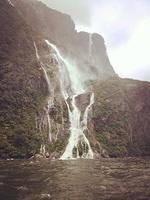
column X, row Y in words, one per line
column 60, row 30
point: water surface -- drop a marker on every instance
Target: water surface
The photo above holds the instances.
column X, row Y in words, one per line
column 113, row 179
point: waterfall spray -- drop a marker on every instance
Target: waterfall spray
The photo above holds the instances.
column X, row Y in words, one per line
column 90, row 46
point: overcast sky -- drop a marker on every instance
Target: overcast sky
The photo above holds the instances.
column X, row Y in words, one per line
column 125, row 26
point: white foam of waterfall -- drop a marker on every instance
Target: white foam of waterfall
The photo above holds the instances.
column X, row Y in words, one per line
column 77, row 132
column 50, row 98
column 43, row 150
column 9, row 1
column 69, row 74
column 71, row 87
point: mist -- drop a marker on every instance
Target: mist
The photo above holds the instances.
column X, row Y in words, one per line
column 78, row 10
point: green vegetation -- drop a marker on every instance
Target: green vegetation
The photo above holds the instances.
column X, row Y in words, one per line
column 111, row 130
column 20, row 102
column 57, row 146
column 114, row 117
column 22, row 86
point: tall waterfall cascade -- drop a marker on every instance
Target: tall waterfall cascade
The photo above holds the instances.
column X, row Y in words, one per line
column 72, row 86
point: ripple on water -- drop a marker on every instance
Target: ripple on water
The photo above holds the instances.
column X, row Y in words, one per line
column 106, row 179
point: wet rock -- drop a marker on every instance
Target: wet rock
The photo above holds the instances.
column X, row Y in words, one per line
column 22, row 188
column 97, row 156
column 47, row 155
column 45, row 196
column 103, row 187
column 37, row 157
column 104, row 153
column 54, row 155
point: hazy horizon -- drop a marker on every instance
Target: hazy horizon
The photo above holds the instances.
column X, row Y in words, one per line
column 125, row 27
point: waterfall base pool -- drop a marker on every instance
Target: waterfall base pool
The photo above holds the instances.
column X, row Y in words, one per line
column 113, row 179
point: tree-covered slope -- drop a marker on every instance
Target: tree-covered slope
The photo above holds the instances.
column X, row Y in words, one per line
column 22, row 86
column 121, row 116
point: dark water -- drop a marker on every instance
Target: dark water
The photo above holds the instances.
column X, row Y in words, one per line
column 113, row 179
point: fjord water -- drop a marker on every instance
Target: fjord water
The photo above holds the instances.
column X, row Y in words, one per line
column 105, row 179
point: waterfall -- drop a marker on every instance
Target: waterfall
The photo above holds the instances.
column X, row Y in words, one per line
column 9, row 1
column 51, row 95
column 71, row 87
column 90, row 46
column 43, row 150
column 77, row 133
